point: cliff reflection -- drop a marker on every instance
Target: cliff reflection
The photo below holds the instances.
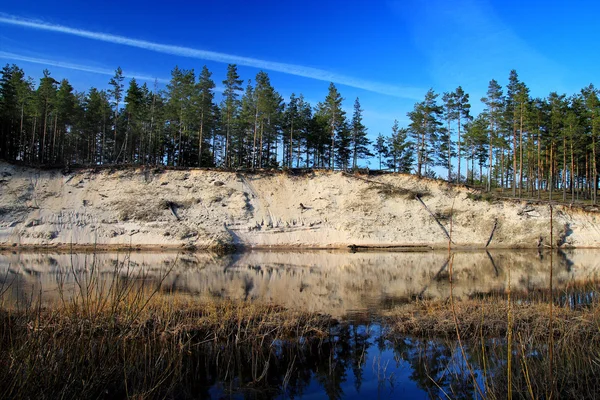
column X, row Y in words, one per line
column 331, row 282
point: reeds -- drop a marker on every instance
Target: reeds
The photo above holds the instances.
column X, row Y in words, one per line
column 484, row 325
column 122, row 335
column 121, row 338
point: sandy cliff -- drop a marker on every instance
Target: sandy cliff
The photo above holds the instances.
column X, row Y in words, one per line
column 206, row 208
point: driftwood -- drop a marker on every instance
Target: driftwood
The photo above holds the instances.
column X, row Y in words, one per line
column 435, row 218
column 416, row 247
column 492, row 234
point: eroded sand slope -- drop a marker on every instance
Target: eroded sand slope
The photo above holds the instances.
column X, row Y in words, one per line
column 205, row 208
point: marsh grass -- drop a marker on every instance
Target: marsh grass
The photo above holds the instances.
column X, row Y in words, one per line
column 124, row 338
column 484, row 326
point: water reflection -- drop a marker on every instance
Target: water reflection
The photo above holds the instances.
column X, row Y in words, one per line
column 336, row 283
column 356, row 359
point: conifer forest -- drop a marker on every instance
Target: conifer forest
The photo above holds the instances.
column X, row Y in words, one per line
column 520, row 145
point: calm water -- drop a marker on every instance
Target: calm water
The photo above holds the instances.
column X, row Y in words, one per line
column 356, row 360
column 336, row 283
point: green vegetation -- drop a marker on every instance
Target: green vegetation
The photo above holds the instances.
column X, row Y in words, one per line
column 530, row 147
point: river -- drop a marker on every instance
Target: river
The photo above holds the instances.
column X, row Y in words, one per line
column 357, row 360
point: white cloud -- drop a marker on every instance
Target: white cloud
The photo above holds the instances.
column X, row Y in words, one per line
column 292, row 69
column 77, row 67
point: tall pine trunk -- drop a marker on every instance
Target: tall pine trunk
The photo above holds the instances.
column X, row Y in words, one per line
column 43, row 147
column 458, row 154
column 291, row 160
column 521, row 152
column 21, row 138
column 564, row 172
column 514, row 183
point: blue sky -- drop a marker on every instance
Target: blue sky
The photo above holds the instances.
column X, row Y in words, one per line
column 387, row 53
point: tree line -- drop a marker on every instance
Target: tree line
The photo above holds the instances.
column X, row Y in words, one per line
column 517, row 143
column 182, row 125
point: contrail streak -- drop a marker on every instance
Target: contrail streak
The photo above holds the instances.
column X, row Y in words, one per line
column 292, row 69
column 77, row 67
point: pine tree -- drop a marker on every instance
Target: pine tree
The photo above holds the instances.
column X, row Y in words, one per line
column 205, row 106
column 475, row 141
column 494, row 102
column 134, row 108
column 360, row 141
column 270, row 119
column 343, row 142
column 46, row 94
column 230, row 107
column 248, row 126
column 291, row 117
column 539, row 124
column 116, row 93
column 558, row 109
column 381, row 148
column 424, row 128
column 16, row 94
column 573, row 132
column 319, row 137
column 592, row 114
column 156, row 140
column 97, row 111
column 66, row 111
column 461, row 109
column 400, row 150
column 180, row 113
column 304, row 124
column 335, row 116
column 517, row 100
column 450, row 115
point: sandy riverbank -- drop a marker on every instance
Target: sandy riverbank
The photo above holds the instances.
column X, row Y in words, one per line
column 158, row 209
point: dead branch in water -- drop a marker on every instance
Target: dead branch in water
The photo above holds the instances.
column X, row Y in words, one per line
column 404, row 247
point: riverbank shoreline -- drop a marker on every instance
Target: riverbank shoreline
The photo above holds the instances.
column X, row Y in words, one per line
column 86, row 248
column 224, row 211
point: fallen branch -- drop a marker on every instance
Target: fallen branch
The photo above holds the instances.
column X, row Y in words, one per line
column 435, row 218
column 492, row 234
column 417, row 247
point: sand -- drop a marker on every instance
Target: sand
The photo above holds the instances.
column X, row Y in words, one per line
column 202, row 209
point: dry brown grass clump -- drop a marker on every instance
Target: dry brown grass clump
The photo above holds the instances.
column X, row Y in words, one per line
column 564, row 364
column 488, row 317
column 124, row 338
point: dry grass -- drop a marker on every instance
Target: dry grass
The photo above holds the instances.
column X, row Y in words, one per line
column 140, row 209
column 488, row 338
column 127, row 353
column 124, row 338
column 388, row 191
column 488, row 318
